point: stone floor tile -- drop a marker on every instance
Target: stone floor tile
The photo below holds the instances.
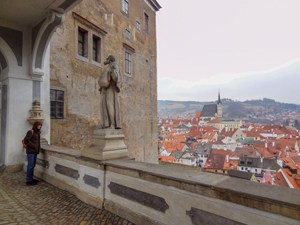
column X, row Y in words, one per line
column 44, row 204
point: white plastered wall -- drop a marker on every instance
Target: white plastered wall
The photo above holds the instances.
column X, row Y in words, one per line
column 45, row 96
column 19, row 100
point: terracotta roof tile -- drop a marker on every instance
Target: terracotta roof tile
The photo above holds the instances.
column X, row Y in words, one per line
column 292, row 179
column 167, row 158
column 197, row 114
column 215, row 161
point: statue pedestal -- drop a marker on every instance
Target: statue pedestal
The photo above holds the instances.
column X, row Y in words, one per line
column 107, row 144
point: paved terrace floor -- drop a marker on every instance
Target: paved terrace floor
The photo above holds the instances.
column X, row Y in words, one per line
column 46, row 204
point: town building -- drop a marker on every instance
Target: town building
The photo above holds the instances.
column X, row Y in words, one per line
column 91, row 32
column 221, row 123
column 63, row 76
column 234, row 133
column 242, row 175
column 210, row 111
column 32, row 88
column 26, row 28
column 257, row 165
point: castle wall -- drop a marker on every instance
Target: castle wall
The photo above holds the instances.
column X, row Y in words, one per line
column 77, row 76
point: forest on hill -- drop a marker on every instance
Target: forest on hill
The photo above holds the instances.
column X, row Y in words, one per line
column 263, row 111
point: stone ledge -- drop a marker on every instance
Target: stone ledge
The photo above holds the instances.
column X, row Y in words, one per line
column 129, row 214
column 62, row 150
column 277, row 200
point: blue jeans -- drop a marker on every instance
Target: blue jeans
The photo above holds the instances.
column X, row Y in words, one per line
column 31, row 161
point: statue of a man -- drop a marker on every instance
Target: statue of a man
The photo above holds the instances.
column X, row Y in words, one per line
column 110, row 82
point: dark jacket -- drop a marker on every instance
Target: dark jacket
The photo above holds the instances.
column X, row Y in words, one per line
column 33, row 140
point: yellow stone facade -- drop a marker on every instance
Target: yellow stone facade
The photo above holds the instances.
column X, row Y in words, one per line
column 77, row 76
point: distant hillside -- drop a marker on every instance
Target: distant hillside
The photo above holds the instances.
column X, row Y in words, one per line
column 265, row 110
column 168, row 108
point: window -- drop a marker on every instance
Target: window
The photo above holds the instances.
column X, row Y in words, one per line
column 127, row 34
column 138, row 25
column 146, row 20
column 82, row 42
column 128, row 59
column 56, row 104
column 89, row 45
column 125, row 6
column 96, row 49
column 89, row 40
column 128, row 62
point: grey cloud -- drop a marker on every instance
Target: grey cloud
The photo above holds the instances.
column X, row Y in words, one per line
column 281, row 84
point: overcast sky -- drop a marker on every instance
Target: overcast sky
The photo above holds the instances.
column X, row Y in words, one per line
column 250, row 49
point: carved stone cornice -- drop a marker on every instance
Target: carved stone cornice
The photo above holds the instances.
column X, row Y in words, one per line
column 154, row 4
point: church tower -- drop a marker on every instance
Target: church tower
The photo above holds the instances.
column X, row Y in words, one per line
column 219, row 106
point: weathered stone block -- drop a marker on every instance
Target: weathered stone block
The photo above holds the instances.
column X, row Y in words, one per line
column 107, row 144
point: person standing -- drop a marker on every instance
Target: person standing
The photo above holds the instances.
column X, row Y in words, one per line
column 33, row 147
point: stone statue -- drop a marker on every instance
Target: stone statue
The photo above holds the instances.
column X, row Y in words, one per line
column 110, row 82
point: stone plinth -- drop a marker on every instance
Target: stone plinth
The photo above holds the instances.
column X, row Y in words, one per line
column 107, row 144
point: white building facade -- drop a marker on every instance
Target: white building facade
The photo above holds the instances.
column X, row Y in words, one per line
column 26, row 28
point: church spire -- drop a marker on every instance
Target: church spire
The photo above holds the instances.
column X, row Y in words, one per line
column 219, row 106
column 219, row 98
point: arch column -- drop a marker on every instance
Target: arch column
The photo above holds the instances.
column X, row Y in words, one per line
column 25, row 71
column 41, row 35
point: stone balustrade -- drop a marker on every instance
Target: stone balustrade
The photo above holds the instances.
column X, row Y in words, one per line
column 167, row 194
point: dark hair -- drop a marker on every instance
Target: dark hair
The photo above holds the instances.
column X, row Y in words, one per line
column 35, row 125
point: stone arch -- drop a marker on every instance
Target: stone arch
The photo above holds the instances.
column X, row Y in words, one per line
column 42, row 34
column 5, row 54
column 8, row 63
column 8, row 59
column 14, row 39
column 3, row 62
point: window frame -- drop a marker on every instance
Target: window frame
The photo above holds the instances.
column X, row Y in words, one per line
column 128, row 51
column 138, row 25
column 84, row 42
column 98, row 39
column 127, row 34
column 128, row 62
column 93, row 32
column 146, row 22
column 125, row 7
column 58, row 104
